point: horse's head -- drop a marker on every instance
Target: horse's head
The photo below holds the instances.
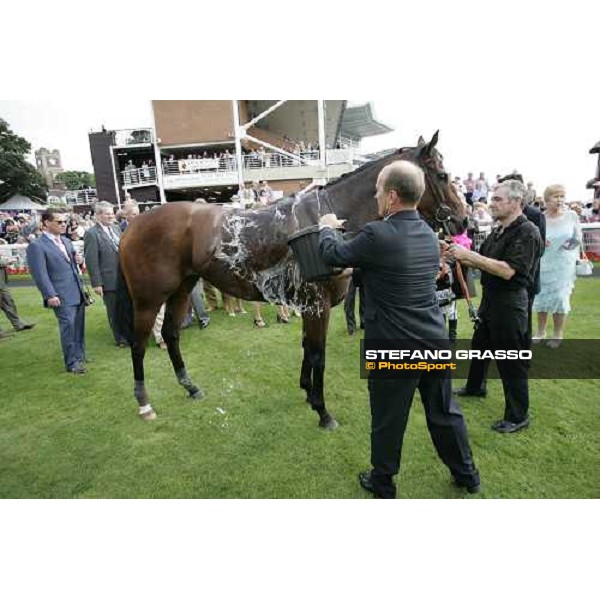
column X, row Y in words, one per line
column 440, row 202
column 355, row 192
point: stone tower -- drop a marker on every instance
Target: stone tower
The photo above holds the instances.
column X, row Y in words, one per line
column 49, row 164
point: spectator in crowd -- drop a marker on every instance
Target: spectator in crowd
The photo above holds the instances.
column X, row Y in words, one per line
column 594, row 212
column 557, row 268
column 469, row 184
column 74, row 230
column 531, row 194
column 101, row 247
column 53, row 263
column 131, row 210
column 7, row 303
column 11, row 231
column 508, row 261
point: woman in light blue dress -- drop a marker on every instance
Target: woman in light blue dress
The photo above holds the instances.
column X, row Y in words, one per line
column 557, row 267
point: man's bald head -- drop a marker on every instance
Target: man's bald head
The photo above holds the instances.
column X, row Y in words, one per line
column 406, row 179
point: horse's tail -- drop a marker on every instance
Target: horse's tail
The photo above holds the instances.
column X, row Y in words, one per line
column 124, row 307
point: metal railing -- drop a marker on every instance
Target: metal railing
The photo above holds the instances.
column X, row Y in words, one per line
column 138, row 177
column 254, row 160
column 81, row 196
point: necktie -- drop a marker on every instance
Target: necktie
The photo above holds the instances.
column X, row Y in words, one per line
column 61, row 247
column 113, row 237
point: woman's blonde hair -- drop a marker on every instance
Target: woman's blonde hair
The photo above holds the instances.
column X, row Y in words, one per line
column 554, row 189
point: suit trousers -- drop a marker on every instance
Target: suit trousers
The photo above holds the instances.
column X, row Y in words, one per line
column 391, row 400
column 71, row 326
column 7, row 304
column 198, row 302
column 349, row 303
column 110, row 302
column 504, row 325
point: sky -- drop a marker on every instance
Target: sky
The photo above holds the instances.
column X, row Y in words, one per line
column 547, row 141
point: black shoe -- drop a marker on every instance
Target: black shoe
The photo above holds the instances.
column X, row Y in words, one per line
column 471, row 488
column 77, row 370
column 463, row 391
column 366, row 482
column 25, row 326
column 509, row 426
column 351, row 331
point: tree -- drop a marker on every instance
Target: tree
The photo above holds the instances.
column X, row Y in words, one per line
column 75, row 180
column 18, row 176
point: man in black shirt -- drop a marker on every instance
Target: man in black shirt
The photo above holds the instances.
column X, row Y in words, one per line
column 508, row 260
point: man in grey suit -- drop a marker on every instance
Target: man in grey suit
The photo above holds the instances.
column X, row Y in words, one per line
column 53, row 263
column 101, row 249
column 399, row 257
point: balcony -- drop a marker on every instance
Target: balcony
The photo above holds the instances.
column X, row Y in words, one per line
column 128, row 138
column 134, row 178
column 257, row 166
column 88, row 196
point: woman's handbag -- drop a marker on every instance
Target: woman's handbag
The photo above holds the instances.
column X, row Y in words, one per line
column 584, row 266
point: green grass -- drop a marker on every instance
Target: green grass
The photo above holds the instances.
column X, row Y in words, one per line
column 253, row 436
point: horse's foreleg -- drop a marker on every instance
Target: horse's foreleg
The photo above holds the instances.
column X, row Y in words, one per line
column 314, row 342
column 177, row 306
column 143, row 323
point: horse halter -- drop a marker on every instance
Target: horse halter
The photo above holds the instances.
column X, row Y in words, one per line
column 443, row 213
column 326, row 201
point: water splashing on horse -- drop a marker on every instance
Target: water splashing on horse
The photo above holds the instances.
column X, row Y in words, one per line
column 245, row 253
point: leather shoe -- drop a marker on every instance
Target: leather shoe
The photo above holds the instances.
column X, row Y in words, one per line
column 26, row 326
column 463, row 391
column 509, row 426
column 351, row 331
column 366, row 483
column 77, row 370
column 471, row 489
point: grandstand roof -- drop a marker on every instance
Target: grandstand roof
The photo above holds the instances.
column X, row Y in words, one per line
column 359, row 122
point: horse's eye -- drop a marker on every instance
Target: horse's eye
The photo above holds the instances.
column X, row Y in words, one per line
column 443, row 176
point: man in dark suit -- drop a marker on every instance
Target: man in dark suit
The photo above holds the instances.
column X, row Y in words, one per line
column 355, row 285
column 399, row 258
column 101, row 249
column 53, row 264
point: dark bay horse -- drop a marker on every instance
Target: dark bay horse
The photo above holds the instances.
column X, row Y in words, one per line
column 245, row 253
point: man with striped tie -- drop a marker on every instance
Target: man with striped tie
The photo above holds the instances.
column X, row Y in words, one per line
column 53, row 264
column 101, row 249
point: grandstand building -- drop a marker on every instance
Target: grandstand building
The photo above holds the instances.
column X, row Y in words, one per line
column 207, row 148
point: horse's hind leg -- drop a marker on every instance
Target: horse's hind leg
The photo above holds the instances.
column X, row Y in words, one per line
column 177, row 306
column 143, row 323
column 314, row 340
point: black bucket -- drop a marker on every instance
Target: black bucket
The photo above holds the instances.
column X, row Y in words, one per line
column 305, row 246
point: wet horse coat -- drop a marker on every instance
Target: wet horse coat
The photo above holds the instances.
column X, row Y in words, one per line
column 245, row 253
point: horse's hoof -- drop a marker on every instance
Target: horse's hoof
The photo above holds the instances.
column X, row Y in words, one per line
column 149, row 416
column 328, row 423
column 196, row 394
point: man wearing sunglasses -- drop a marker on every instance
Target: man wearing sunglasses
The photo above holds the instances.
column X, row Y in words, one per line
column 53, row 263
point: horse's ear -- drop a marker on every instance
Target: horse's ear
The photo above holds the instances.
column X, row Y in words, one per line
column 421, row 141
column 434, row 140
column 427, row 148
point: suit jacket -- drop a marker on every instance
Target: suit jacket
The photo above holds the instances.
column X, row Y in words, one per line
column 538, row 218
column 101, row 257
column 53, row 274
column 399, row 258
